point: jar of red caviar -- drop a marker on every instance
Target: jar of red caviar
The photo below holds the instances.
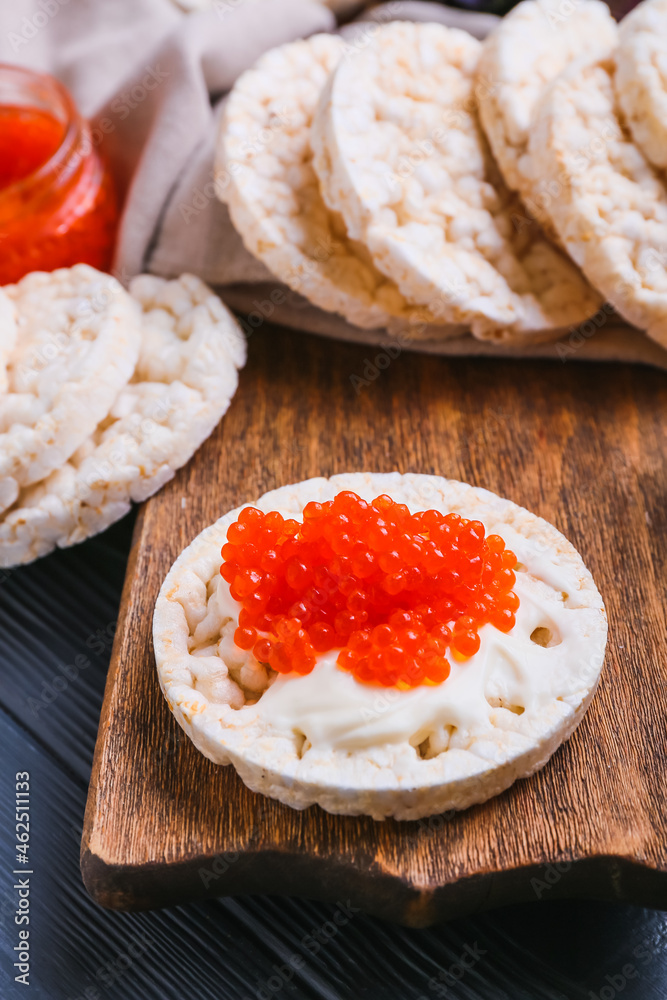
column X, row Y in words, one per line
column 57, row 201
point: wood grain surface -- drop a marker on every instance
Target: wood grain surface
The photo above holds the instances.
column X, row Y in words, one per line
column 65, row 605
column 582, row 445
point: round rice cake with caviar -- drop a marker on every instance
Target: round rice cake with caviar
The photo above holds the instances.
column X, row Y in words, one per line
column 264, row 174
column 77, row 341
column 608, row 204
column 641, row 77
column 401, row 155
column 389, row 645
column 186, row 375
column 531, row 45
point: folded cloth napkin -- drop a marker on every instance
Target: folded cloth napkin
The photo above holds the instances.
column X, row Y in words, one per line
column 152, row 79
column 149, row 77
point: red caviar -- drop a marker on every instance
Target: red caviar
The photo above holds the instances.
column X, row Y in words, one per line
column 393, row 590
column 28, row 138
column 58, row 205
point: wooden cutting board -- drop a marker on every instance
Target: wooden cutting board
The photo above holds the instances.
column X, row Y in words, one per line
column 582, row 445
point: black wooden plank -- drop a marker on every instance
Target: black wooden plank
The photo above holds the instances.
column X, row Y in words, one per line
column 249, row 948
column 57, row 619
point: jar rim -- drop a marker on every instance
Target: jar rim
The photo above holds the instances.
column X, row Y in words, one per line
column 55, row 94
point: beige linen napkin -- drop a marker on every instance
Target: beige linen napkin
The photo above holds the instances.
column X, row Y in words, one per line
column 152, row 79
column 148, row 75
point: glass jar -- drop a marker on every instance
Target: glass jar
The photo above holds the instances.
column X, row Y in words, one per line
column 58, row 205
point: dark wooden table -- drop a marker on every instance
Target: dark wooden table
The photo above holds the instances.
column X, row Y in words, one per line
column 57, row 619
